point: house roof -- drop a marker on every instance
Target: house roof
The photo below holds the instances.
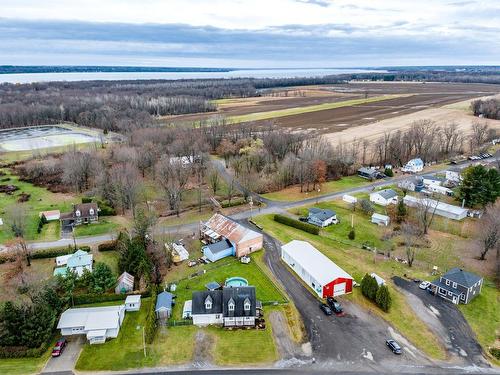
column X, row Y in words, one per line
column 367, row 170
column 321, row 214
column 219, row 246
column 433, row 178
column 126, row 279
column 387, row 193
column 212, row 285
column 434, row 205
column 91, row 318
column 379, row 216
column 462, row 277
column 416, row 162
column 239, row 295
column 80, row 259
column 48, row 214
column 135, row 298
column 198, row 304
column 164, row 299
column 314, row 262
column 85, row 208
column 230, row 229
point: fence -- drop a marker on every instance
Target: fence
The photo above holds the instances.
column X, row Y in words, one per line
column 184, row 322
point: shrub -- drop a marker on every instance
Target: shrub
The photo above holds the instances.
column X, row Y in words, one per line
column 495, row 352
column 52, row 253
column 366, row 206
column 389, row 172
column 151, row 324
column 107, row 246
column 23, row 351
column 105, row 209
column 296, row 224
column 383, row 298
column 86, row 200
column 352, row 234
column 369, row 287
column 234, row 203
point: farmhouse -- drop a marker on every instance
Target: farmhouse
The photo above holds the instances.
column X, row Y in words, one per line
column 133, row 303
column 413, row 166
column 414, row 183
column 97, row 323
column 384, row 197
column 231, row 306
column 163, row 308
column 83, row 213
column 125, row 283
column 380, row 219
column 458, row 286
column 321, row 217
column 439, row 208
column 77, row 262
column 242, row 240
column 323, row 276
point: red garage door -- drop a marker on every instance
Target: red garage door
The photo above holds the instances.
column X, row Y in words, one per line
column 337, row 287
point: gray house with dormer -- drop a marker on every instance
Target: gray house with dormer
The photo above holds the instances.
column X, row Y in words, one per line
column 458, row 286
column 229, row 307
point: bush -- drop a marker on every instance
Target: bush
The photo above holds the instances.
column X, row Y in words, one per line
column 383, row 298
column 23, row 351
column 105, row 209
column 151, row 324
column 107, row 246
column 234, row 203
column 369, row 287
column 389, row 172
column 495, row 352
column 86, row 200
column 352, row 234
column 296, row 224
column 366, row 206
column 52, row 253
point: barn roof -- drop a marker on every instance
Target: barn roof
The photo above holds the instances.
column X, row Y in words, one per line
column 230, row 229
column 314, row 262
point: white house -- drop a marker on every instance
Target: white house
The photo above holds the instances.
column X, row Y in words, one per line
column 62, row 260
column 438, row 189
column 414, row 166
column 133, row 302
column 380, row 219
column 349, row 198
column 384, row 197
column 454, row 175
column 433, row 180
column 320, row 274
column 439, row 208
column 76, row 262
column 97, row 323
column 321, row 217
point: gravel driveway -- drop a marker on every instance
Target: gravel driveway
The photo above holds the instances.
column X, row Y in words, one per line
column 65, row 363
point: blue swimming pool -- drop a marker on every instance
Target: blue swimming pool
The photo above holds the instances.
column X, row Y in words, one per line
column 236, row 281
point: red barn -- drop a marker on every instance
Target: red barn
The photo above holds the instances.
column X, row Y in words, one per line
column 316, row 270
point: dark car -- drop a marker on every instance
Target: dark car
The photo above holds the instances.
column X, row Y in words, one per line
column 394, row 346
column 334, row 305
column 59, row 347
column 324, row 307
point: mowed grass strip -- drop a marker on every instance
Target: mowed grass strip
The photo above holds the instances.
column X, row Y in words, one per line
column 24, row 366
column 293, row 193
column 306, row 109
column 359, row 262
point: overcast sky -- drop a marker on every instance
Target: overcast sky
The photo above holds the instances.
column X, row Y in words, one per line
column 249, row 33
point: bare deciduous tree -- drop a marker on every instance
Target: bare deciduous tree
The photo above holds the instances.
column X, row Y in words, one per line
column 410, row 234
column 489, row 234
column 425, row 210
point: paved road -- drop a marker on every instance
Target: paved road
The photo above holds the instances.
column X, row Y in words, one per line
column 447, row 321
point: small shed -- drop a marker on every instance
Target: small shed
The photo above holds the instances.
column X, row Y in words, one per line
column 212, row 285
column 380, row 219
column 179, row 252
column 51, row 215
column 125, row 283
column 218, row 250
column 187, row 310
column 349, row 198
column 163, row 308
column 133, row 303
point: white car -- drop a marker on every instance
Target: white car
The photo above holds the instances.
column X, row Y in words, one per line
column 424, row 285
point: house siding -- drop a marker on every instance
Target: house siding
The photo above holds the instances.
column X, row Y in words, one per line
column 247, row 247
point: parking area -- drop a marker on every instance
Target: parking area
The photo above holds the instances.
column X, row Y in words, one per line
column 446, row 320
column 65, row 363
column 357, row 337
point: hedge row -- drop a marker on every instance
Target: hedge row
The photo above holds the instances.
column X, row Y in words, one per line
column 52, row 253
column 107, row 246
column 296, row 224
column 84, row 299
column 23, row 351
column 234, row 203
column 151, row 325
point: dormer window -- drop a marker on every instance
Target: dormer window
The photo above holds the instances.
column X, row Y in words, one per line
column 208, row 303
column 78, row 213
column 91, row 211
column 246, row 305
column 230, row 305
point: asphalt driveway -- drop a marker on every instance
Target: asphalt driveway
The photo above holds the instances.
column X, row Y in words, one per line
column 447, row 321
column 65, row 363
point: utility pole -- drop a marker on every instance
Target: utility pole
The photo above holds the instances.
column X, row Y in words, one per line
column 144, row 340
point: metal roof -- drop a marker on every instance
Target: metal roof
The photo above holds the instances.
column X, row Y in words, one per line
column 219, row 246
column 386, row 193
column 80, row 259
column 135, row 298
column 126, row 279
column 230, row 229
column 321, row 214
column 314, row 262
column 164, row 300
column 91, row 318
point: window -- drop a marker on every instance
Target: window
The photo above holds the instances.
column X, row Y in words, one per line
column 442, row 291
column 91, row 211
column 246, row 305
column 230, row 306
column 78, row 213
column 217, row 316
column 454, row 285
column 450, row 294
column 462, row 297
column 447, row 282
column 208, row 303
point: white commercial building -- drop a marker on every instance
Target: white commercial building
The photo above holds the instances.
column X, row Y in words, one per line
column 323, row 276
column 439, row 208
column 97, row 323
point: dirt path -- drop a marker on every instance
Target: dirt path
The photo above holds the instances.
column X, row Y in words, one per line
column 202, row 357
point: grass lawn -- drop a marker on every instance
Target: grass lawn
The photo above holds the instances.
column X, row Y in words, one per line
column 306, row 109
column 359, row 262
column 103, row 226
column 175, row 346
column 24, row 366
column 40, row 200
column 220, row 271
column 108, row 257
column 293, row 193
column 50, row 231
column 483, row 314
column 188, row 217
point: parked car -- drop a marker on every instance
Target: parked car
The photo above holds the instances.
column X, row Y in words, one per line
column 424, row 285
column 304, row 219
column 394, row 346
column 324, row 307
column 59, row 347
column 334, row 305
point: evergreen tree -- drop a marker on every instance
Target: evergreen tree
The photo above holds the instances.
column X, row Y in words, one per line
column 383, row 298
column 101, row 279
column 352, row 234
column 479, row 186
column 401, row 212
